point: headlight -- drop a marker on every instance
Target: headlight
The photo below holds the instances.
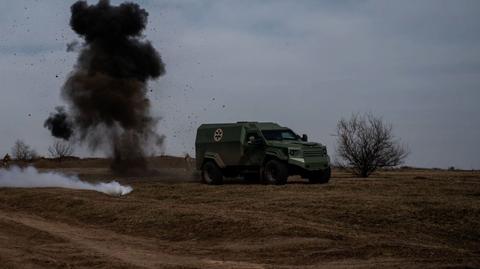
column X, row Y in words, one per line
column 294, row 152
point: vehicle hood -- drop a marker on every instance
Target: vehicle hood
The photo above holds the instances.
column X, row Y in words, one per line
column 294, row 144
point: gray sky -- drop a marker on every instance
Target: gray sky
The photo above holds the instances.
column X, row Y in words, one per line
column 304, row 64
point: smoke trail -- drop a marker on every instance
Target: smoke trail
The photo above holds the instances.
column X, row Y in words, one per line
column 106, row 93
column 30, row 178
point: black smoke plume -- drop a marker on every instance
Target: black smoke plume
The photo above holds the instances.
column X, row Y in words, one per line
column 59, row 124
column 106, row 92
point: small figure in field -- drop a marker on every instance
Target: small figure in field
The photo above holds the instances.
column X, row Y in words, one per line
column 188, row 162
column 6, row 160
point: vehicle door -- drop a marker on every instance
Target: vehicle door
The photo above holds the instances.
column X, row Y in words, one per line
column 254, row 149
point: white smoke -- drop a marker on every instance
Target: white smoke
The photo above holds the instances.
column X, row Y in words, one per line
column 30, row 178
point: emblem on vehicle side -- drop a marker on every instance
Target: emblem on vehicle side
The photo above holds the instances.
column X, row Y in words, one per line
column 217, row 136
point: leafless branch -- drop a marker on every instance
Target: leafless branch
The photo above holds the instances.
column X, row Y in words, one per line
column 365, row 143
column 60, row 149
column 23, row 152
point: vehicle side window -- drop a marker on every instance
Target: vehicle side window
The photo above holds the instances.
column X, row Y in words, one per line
column 247, row 137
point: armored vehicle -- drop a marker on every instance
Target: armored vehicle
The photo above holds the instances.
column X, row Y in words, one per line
column 258, row 150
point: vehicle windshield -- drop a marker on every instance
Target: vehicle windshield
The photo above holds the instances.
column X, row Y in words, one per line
column 279, row 135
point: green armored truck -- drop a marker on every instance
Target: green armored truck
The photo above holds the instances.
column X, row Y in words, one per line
column 258, row 150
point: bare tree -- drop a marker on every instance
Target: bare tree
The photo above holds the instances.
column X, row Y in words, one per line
column 365, row 143
column 60, row 149
column 23, row 152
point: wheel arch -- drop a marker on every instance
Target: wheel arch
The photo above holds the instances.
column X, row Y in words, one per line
column 215, row 157
column 274, row 154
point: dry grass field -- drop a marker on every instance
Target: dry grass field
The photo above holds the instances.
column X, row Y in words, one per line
column 407, row 218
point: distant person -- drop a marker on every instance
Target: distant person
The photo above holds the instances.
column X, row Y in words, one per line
column 6, row 160
column 188, row 162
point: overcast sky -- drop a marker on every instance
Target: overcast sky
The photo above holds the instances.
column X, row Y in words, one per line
column 304, row 64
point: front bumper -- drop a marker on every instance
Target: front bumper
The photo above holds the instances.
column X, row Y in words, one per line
column 310, row 163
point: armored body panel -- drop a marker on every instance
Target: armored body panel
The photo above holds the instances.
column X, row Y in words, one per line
column 222, row 142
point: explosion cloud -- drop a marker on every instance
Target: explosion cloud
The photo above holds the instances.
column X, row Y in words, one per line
column 59, row 124
column 106, row 92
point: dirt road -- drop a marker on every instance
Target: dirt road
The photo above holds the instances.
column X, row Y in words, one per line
column 398, row 219
column 99, row 247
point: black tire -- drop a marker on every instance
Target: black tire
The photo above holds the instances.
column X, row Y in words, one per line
column 275, row 172
column 211, row 173
column 320, row 177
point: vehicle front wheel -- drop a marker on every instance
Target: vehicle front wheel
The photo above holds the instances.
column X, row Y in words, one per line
column 320, row 177
column 275, row 172
column 211, row 173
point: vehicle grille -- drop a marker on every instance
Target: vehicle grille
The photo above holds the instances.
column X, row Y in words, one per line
column 313, row 152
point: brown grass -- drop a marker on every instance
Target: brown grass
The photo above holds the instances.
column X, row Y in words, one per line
column 400, row 218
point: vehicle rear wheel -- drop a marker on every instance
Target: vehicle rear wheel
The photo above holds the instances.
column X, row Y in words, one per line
column 211, row 173
column 320, row 177
column 275, row 172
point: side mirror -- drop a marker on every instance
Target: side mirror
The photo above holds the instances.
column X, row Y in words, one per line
column 304, row 138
